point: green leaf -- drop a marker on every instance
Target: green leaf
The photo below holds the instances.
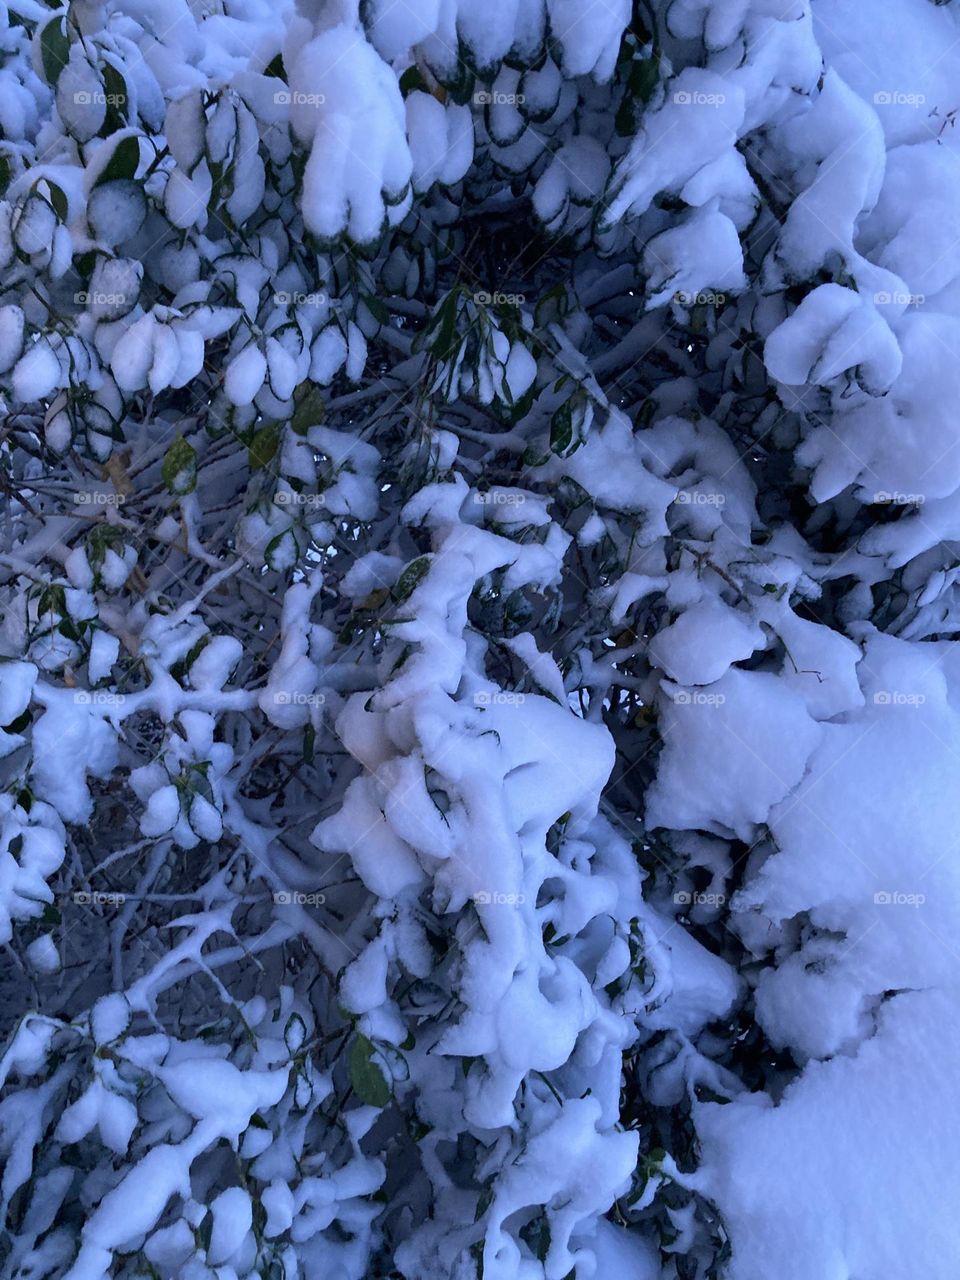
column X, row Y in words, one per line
column 366, row 1077
column 411, row 576
column 276, row 68
column 561, row 430
column 446, row 340
column 460, row 81
column 54, row 49
column 294, row 1033
column 118, row 98
column 122, row 165
column 263, row 446
column 376, row 308
column 58, row 200
column 21, row 722
column 282, row 551
column 412, row 81
column 643, row 79
column 180, row 468
column 310, row 411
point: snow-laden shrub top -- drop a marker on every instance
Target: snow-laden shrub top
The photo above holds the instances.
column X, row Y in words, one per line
column 478, row 709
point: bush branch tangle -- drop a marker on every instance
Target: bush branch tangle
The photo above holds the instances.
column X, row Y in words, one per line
column 479, row 713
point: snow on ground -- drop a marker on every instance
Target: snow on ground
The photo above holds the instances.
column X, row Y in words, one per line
column 818, row 1188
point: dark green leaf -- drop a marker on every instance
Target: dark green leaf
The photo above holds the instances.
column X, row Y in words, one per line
column 18, row 725
column 276, row 68
column 410, row 577
column 310, row 411
column 561, row 429
column 366, row 1077
column 263, row 446
column 54, row 49
column 180, row 468
column 122, row 165
column 412, row 81
column 58, row 200
column 376, row 308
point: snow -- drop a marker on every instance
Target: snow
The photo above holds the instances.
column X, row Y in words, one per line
column 17, row 680
column 205, row 819
column 70, row 740
column 731, row 752
column 700, row 258
column 884, row 49
column 590, row 39
column 833, row 330
column 557, row 732
column 115, row 212
column 245, row 375
column 37, row 373
column 43, row 955
column 440, row 139
column 345, row 103
column 704, row 641
column 109, row 1018
column 327, row 355
column 232, row 1217
column 11, row 335
column 162, row 811
column 131, row 1208
column 843, row 1177
column 696, row 123
column 104, row 651
column 520, row 370
column 570, row 1169
column 213, row 1089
